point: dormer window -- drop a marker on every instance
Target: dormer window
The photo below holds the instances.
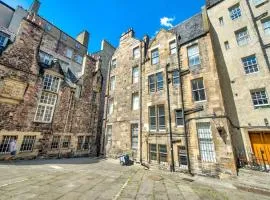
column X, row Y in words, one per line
column 69, row 53
column 45, row 58
column 3, row 40
column 79, row 59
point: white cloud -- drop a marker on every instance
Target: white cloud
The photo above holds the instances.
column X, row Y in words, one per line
column 166, row 21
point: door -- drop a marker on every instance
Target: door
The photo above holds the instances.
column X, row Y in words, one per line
column 260, row 142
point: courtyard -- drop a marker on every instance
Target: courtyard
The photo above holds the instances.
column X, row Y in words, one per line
column 85, row 178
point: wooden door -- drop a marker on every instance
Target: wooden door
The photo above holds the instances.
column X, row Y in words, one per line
column 260, row 142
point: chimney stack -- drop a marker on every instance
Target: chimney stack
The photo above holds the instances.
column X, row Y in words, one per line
column 83, row 38
column 129, row 34
column 34, row 7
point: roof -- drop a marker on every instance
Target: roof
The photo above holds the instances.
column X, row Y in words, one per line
column 9, row 7
column 210, row 3
column 190, row 29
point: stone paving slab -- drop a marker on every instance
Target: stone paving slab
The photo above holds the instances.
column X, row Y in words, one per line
column 87, row 179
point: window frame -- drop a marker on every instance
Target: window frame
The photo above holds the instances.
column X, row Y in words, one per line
column 3, row 40
column 250, row 68
column 134, row 135
column 182, row 153
column 235, row 12
column 198, row 90
column 56, row 140
column 173, row 47
column 242, row 39
column 153, row 151
column 112, row 83
column 252, row 92
column 155, row 56
column 110, row 106
column 136, row 55
column 266, row 28
column 114, row 63
column 28, row 143
column 179, row 117
column 157, row 127
column 176, row 79
column 135, row 75
column 5, row 143
column 193, row 56
column 137, row 107
column 69, row 53
column 206, row 144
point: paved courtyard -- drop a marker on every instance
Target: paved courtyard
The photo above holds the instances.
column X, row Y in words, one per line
column 89, row 179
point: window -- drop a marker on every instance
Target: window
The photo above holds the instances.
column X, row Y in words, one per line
column 161, row 118
column 135, row 75
column 86, row 144
column 136, row 53
column 134, row 136
column 162, row 153
column 176, row 79
column 266, row 26
column 28, row 143
column 242, row 36
column 4, row 147
column 69, row 53
column 3, row 40
column 45, row 58
column 109, row 133
column 80, row 143
column 113, row 63
column 110, row 106
column 48, row 27
column 156, row 82
column 157, row 118
column 250, row 64
column 235, row 12
column 206, row 144
column 152, row 118
column 94, row 97
column 66, row 141
column 77, row 45
column 155, row 57
column 47, row 100
column 135, row 101
column 193, row 55
column 55, row 142
column 112, row 83
column 173, row 48
column 78, row 59
column 182, row 156
column 258, row 2
column 198, row 91
column 179, row 118
column 227, row 45
column 153, row 152
column 221, row 21
column 259, row 98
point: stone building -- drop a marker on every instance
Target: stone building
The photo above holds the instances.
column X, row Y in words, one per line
column 50, row 89
column 138, row 111
column 240, row 31
column 105, row 55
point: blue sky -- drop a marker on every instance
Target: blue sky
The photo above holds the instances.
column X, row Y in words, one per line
column 108, row 19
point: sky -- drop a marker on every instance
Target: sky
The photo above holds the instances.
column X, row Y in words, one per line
column 108, row 19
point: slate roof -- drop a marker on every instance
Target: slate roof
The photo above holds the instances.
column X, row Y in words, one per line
column 190, row 29
column 210, row 3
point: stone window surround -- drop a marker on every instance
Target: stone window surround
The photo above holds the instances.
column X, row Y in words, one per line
column 157, row 117
column 49, row 92
column 195, row 55
column 205, row 142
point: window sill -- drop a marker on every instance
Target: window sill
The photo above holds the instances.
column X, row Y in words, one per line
column 203, row 101
column 261, row 107
column 261, row 4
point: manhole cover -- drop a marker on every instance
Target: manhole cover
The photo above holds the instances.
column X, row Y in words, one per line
column 155, row 178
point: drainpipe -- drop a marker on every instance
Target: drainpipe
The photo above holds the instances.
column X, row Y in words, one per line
column 141, row 60
column 170, row 119
column 259, row 35
column 178, row 46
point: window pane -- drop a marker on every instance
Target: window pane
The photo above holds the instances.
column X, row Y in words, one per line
column 161, row 114
column 250, row 64
column 152, row 118
column 235, row 12
column 162, row 153
column 135, row 74
column 259, row 98
column 179, row 118
column 159, row 81
column 134, row 136
column 155, row 56
column 242, row 36
column 135, row 101
column 198, row 90
column 176, row 79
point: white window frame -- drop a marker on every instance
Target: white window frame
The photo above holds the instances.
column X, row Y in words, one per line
column 136, row 53
column 157, row 127
column 193, row 55
column 135, row 101
column 235, row 12
column 266, row 26
column 69, row 53
column 155, row 56
column 47, row 99
column 28, row 143
column 206, row 143
column 135, row 74
column 259, row 97
column 250, row 64
column 5, row 143
column 242, row 36
column 112, row 83
column 173, row 47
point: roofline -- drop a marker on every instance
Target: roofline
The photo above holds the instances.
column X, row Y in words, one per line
column 11, row 8
column 109, row 43
column 214, row 4
column 199, row 13
column 199, row 36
